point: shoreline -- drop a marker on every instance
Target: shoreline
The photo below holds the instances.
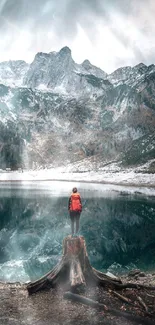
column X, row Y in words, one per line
column 127, row 178
column 17, row 307
column 78, row 180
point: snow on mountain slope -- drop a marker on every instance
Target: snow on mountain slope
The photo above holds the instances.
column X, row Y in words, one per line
column 55, row 111
column 13, row 72
column 58, row 72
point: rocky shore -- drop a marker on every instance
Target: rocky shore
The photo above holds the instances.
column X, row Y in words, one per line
column 50, row 307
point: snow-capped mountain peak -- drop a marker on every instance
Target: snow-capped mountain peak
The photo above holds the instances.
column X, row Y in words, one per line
column 56, row 111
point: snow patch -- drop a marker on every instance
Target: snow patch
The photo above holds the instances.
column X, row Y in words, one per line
column 130, row 179
column 42, row 87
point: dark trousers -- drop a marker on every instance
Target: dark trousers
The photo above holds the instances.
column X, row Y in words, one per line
column 75, row 220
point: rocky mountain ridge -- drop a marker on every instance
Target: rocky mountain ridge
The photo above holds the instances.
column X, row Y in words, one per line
column 57, row 70
column 55, row 111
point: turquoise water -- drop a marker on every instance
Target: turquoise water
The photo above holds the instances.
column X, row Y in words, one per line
column 118, row 224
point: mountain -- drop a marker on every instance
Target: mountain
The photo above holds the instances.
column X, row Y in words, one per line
column 91, row 69
column 54, row 112
column 131, row 75
column 13, row 72
column 59, row 73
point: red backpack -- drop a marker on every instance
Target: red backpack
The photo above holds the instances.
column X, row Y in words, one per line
column 75, row 202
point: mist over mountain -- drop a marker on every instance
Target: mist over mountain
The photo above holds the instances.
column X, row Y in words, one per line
column 54, row 112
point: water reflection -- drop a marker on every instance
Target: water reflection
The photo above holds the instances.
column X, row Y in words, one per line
column 118, row 226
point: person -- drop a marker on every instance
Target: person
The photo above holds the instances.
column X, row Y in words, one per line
column 75, row 209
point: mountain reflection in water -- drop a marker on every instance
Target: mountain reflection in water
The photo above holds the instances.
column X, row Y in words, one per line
column 118, row 226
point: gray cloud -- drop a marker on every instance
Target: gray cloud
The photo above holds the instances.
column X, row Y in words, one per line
column 63, row 17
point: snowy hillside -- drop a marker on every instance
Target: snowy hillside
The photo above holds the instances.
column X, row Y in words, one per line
column 55, row 112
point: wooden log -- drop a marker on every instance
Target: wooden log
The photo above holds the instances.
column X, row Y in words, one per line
column 83, row 300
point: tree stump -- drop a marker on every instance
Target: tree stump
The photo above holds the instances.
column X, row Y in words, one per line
column 74, row 272
column 74, row 269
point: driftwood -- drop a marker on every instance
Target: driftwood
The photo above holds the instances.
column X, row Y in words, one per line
column 142, row 303
column 121, row 297
column 102, row 307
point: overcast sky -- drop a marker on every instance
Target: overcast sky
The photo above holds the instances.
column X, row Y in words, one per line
column 110, row 33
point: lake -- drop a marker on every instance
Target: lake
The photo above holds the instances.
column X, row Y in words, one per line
column 118, row 224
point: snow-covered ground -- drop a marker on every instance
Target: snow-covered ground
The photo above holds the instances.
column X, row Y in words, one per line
column 126, row 177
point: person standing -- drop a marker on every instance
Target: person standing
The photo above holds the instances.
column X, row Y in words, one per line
column 75, row 209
